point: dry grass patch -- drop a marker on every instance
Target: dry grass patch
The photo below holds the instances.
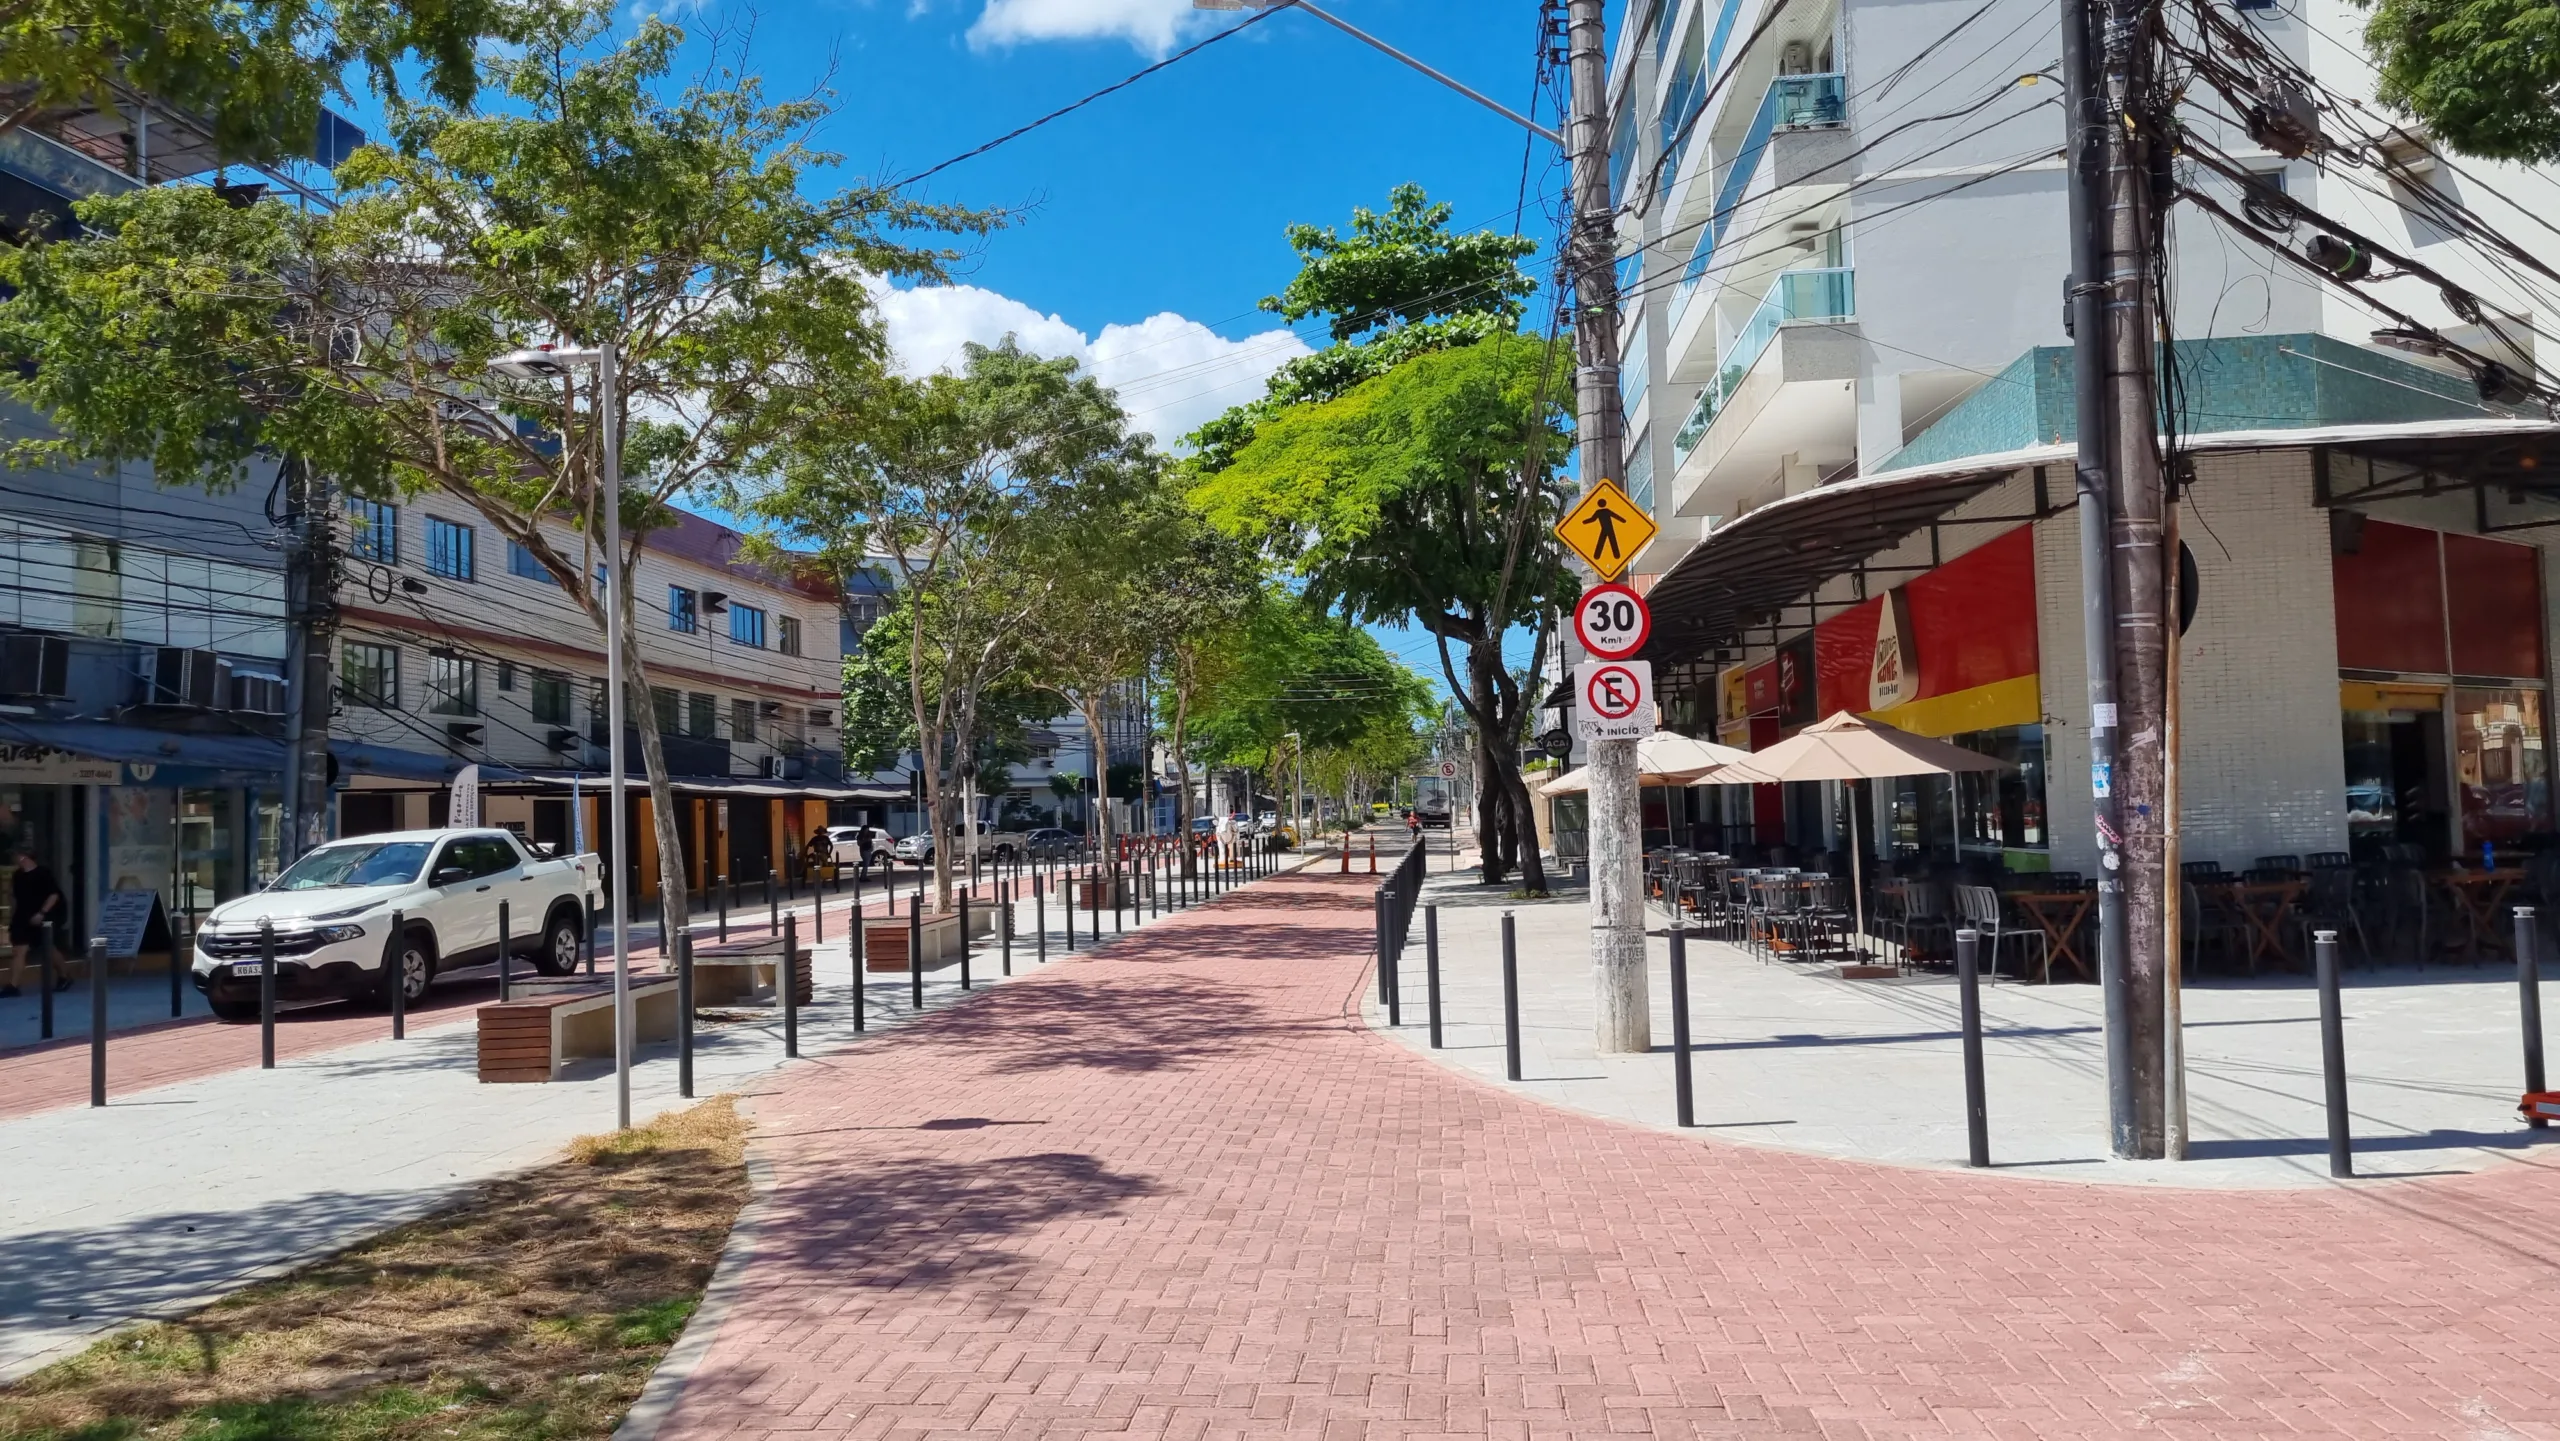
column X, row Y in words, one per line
column 537, row 1309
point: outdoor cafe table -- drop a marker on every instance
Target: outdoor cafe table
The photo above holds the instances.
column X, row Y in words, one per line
column 2058, row 914
column 2477, row 896
column 2262, row 907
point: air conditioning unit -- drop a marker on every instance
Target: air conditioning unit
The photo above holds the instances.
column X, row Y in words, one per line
column 465, row 735
column 822, row 718
column 35, row 666
column 258, row 694
column 563, row 740
column 191, row 678
column 770, row 710
column 784, row 768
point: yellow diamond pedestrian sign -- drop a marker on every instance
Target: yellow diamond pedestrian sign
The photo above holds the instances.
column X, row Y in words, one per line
column 1606, row 529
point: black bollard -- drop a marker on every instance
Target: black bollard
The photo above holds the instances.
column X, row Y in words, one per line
column 266, row 995
column 684, row 1013
column 772, row 905
column 1121, row 897
column 1378, row 944
column 861, row 963
column 1154, row 863
column 97, row 1020
column 964, row 935
column 1977, row 1122
column 1039, row 920
column 723, row 891
column 395, row 970
column 1004, row 921
column 817, row 916
column 591, row 936
column 915, row 949
column 2333, row 1053
column 1431, row 968
column 786, row 979
column 43, row 948
column 505, row 986
column 180, row 949
column 2529, row 1002
column 1684, row 1092
column 1510, row 999
column 1067, row 899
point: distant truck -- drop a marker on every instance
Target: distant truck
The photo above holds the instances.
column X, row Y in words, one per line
column 1431, row 805
column 332, row 910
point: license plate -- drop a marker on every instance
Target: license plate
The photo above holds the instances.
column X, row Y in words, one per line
column 248, row 968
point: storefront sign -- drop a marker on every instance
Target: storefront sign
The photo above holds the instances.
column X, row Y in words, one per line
column 1795, row 682
column 45, row 765
column 1891, row 677
column 124, row 918
column 1733, row 695
column 465, row 810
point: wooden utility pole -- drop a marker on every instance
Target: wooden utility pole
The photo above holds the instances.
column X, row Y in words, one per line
column 1624, row 1014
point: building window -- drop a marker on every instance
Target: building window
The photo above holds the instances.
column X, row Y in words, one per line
column 523, row 564
column 550, row 698
column 669, row 708
column 822, row 718
column 506, row 677
column 742, row 720
column 788, row 635
column 373, row 531
column 702, row 714
column 449, row 550
column 684, row 609
column 746, row 625
column 453, row 685
column 369, row 675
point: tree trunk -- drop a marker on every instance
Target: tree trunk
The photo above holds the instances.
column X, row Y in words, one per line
column 672, row 892
column 1182, row 766
column 1090, row 706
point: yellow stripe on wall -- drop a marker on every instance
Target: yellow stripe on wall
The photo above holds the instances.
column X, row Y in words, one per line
column 2015, row 702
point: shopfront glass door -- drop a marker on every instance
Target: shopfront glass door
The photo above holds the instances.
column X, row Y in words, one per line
column 2500, row 765
column 2397, row 792
column 207, row 821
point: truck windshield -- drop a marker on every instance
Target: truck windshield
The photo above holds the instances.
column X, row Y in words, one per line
column 379, row 863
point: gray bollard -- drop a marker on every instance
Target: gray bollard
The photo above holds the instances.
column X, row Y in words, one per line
column 2529, row 1002
column 684, row 1013
column 915, row 949
column 964, row 936
column 2333, row 1053
column 786, row 980
column 1431, row 967
column 1684, row 1096
column 266, row 995
column 396, row 972
column 97, row 1020
column 506, row 990
column 1510, row 999
column 1977, row 1123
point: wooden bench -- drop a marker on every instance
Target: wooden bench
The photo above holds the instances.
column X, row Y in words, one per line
column 1100, row 895
column 743, row 970
column 884, row 938
column 530, row 1037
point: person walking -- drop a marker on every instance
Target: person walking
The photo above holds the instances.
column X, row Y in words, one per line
column 35, row 908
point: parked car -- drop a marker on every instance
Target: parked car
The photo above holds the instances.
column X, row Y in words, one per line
column 1266, row 823
column 860, row 846
column 1048, row 843
column 1204, row 826
column 331, row 911
column 918, row 849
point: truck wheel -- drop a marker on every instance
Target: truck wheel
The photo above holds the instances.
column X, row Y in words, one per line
column 414, row 965
column 234, row 1011
column 559, row 954
column 1004, row 853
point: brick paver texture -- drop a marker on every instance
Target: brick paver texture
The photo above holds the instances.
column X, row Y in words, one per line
column 1178, row 1190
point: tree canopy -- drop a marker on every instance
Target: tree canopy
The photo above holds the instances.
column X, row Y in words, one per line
column 2483, row 74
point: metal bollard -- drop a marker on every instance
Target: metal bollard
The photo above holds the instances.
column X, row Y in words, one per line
column 818, row 917
column 964, row 936
column 1118, row 898
column 505, row 987
column 786, row 979
column 97, row 1020
column 724, row 892
column 1067, row 898
column 44, row 981
column 1977, row 1122
column 915, row 949
column 266, row 995
column 2529, row 1001
column 1684, row 1095
column 2333, row 1053
column 1510, row 999
column 1004, row 921
column 861, row 963
column 1431, row 968
column 1378, row 943
column 772, row 905
column 181, row 947
column 684, row 1013
column 1039, row 921
column 591, row 936
column 395, row 970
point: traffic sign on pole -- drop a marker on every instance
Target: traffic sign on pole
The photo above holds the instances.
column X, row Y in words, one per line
column 1616, row 700
column 1612, row 621
column 1606, row 529
column 1448, row 770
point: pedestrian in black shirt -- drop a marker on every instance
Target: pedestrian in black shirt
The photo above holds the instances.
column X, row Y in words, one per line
column 35, row 908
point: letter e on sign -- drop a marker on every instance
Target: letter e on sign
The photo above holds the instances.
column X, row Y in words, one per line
column 1612, row 621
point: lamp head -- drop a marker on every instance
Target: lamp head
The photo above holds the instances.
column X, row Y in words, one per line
column 545, row 362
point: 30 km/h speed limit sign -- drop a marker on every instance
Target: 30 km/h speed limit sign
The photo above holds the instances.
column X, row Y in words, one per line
column 1612, row 621
column 1615, row 700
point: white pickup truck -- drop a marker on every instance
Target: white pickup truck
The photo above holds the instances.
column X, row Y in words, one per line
column 332, row 910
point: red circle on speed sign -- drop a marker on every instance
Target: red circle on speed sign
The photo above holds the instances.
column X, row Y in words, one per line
column 1613, row 692
column 1612, row 621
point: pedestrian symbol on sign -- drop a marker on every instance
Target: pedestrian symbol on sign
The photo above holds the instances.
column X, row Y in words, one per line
column 1606, row 529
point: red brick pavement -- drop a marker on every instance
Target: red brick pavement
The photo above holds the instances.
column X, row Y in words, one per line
column 1177, row 1190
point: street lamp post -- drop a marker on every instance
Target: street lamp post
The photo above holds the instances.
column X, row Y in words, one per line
column 550, row 363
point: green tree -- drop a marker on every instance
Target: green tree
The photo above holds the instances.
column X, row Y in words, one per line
column 255, row 75
column 1426, row 495
column 689, row 232
column 2484, row 75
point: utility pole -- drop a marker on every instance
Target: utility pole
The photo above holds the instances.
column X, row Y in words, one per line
column 2106, row 70
column 1623, row 1015
column 310, row 623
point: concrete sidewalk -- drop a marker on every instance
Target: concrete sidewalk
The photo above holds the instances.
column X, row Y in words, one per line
column 170, row 1196
column 1790, row 1056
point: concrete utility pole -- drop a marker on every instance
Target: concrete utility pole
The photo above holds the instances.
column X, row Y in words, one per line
column 1624, row 1015
column 310, row 622
column 2115, row 326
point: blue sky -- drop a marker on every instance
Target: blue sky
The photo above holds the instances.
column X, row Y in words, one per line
column 1151, row 221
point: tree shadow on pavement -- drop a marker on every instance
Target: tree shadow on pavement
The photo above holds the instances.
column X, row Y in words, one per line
column 900, row 1222
column 1135, row 1024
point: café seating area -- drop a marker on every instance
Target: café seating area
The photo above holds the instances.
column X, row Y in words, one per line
column 2388, row 904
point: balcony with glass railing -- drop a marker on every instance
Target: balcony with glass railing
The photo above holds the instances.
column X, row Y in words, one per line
column 1828, row 294
column 1793, row 102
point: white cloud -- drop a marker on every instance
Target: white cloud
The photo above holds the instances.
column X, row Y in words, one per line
column 1150, row 25
column 1172, row 373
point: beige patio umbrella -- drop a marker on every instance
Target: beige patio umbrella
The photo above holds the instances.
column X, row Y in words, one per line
column 1848, row 747
column 1664, row 758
